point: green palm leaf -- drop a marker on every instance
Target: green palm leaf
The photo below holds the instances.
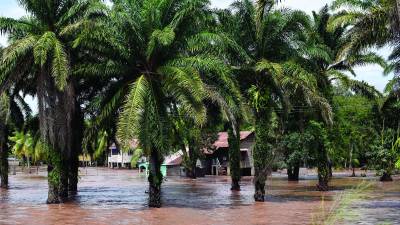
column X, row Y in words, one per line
column 132, row 115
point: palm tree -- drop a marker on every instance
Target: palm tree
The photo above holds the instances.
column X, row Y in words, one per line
column 23, row 146
column 268, row 70
column 28, row 146
column 40, row 51
column 13, row 113
column 373, row 24
column 155, row 60
column 327, row 57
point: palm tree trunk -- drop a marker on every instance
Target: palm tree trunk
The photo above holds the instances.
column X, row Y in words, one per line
column 351, row 161
column 55, row 116
column 330, row 168
column 323, row 170
column 3, row 156
column 192, row 160
column 155, row 180
column 293, row 172
column 57, row 170
column 73, row 174
column 64, row 178
column 29, row 164
column 262, row 152
column 234, row 157
column 53, row 185
column 294, row 169
column 386, row 177
column 75, row 151
column 57, row 178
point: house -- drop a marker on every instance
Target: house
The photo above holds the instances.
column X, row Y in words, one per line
column 117, row 158
column 173, row 164
column 170, row 167
column 217, row 161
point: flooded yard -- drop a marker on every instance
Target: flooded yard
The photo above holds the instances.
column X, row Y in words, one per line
column 118, row 197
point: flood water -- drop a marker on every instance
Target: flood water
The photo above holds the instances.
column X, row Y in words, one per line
column 118, row 197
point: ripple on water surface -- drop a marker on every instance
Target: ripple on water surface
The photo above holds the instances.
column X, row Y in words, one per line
column 118, row 196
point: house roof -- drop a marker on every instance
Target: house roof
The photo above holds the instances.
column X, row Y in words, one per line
column 222, row 141
column 174, row 159
column 133, row 144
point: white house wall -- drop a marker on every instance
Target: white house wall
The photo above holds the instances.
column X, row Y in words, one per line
column 124, row 158
column 247, row 145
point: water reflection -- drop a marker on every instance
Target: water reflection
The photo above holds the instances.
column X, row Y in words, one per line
column 118, row 196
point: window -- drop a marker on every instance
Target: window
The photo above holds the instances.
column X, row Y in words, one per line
column 114, row 151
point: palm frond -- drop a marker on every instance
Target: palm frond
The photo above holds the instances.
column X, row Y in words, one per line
column 272, row 68
column 187, row 88
column 43, row 47
column 9, row 25
column 370, row 58
column 221, row 45
column 162, row 37
column 60, row 65
column 4, row 108
column 15, row 54
column 132, row 115
column 363, row 88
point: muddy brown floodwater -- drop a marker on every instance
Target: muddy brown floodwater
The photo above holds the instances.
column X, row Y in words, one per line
column 118, row 197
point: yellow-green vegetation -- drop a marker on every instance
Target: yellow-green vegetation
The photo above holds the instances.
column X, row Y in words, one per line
column 341, row 210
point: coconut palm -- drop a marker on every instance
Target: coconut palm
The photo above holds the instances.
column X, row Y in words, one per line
column 40, row 51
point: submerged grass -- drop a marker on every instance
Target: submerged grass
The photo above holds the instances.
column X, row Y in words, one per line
column 342, row 208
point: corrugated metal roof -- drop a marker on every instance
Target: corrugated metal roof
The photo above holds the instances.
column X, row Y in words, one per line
column 174, row 159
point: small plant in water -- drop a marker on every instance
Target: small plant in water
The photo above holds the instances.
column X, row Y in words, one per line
column 341, row 210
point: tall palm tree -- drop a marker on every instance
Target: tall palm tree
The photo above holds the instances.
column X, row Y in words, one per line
column 13, row 113
column 40, row 51
column 268, row 71
column 155, row 62
column 328, row 58
column 374, row 24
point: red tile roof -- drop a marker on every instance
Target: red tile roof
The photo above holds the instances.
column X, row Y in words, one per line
column 222, row 141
